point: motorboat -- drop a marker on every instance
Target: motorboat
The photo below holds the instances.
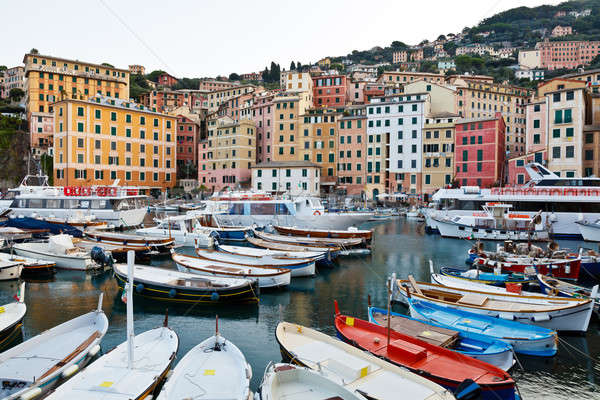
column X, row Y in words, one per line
column 357, row 370
column 560, row 314
column 174, row 286
column 120, row 206
column 267, row 277
column 106, row 253
column 481, row 347
column 213, row 369
column 350, row 246
column 258, row 252
column 486, row 278
column 299, row 267
column 560, row 268
column 30, row 266
column 11, row 317
column 60, row 250
column 555, row 287
column 440, row 365
column 10, row 270
column 34, row 367
column 590, row 230
column 185, row 230
column 292, row 382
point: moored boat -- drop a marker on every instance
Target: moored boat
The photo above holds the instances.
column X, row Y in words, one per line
column 11, row 317
column 358, row 370
column 60, row 250
column 183, row 229
column 350, row 233
column 37, row 365
column 560, row 268
column 258, row 252
column 160, row 245
column 309, row 241
column 267, row 277
column 440, row 365
column 10, row 270
column 327, row 253
column 175, row 286
column 481, row 347
column 555, row 287
column 590, row 231
column 31, row 267
column 486, row 278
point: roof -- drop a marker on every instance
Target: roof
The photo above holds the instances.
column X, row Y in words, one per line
column 443, row 114
column 482, row 119
column 285, row 164
column 73, row 61
column 574, row 74
column 121, row 104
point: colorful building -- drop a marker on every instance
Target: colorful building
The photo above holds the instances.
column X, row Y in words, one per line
column 212, row 85
column 100, row 140
column 136, row 69
column 287, row 111
column 399, row 57
column 559, row 31
column 166, row 100
column 226, row 155
column 167, row 80
column 188, row 136
column 480, row 151
column 295, row 178
column 215, row 98
column 352, row 148
column 262, row 115
column 294, row 81
column 443, row 97
column 438, row 151
column 329, row 90
column 530, row 58
column 404, row 77
column 14, row 78
column 567, row 54
column 591, row 78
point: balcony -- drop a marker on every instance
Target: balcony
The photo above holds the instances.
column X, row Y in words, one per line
column 78, row 73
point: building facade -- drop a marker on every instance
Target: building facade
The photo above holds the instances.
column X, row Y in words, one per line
column 212, row 85
column 438, row 151
column 136, row 69
column 215, row 98
column 167, row 80
column 559, row 31
column 352, row 147
column 567, row 54
column 329, row 90
column 295, row 178
column 14, row 78
column 188, row 135
column 262, row 115
column 102, row 139
column 530, row 58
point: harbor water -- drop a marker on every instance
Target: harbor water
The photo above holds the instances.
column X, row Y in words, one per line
column 399, row 246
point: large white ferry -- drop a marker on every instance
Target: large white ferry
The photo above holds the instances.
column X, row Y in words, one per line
column 120, row 206
column 562, row 201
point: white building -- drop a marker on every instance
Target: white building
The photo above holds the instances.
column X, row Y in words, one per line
column 292, row 177
column 531, row 74
column 294, row 81
column 529, row 59
column 477, row 48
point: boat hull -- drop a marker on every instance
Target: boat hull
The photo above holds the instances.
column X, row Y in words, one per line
column 589, row 232
column 563, row 269
column 64, row 262
column 451, row 230
column 264, row 282
column 10, row 272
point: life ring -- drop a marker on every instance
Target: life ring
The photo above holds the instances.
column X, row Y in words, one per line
column 317, row 212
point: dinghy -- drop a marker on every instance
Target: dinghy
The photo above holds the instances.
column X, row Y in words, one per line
column 560, row 314
column 442, row 366
column 256, row 252
column 486, row 278
column 172, row 285
column 359, row 371
column 291, row 382
column 34, row 367
column 132, row 370
column 10, row 270
column 11, row 317
column 345, row 244
column 299, row 267
column 350, row 233
column 327, row 254
column 60, row 250
column 555, row 287
column 481, row 347
column 160, row 245
column 525, row 339
column 267, row 277
column 560, row 268
column 116, row 251
column 213, row 369
column 30, row 266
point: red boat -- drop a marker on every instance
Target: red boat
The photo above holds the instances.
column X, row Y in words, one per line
column 561, row 269
column 442, row 366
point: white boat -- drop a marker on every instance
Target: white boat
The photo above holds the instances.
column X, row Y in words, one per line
column 29, row 265
column 132, row 370
column 590, row 231
column 357, row 370
column 414, row 213
column 559, row 314
column 120, row 206
column 495, row 223
column 37, row 365
column 11, row 317
column 457, row 283
column 58, row 249
column 213, row 369
column 291, row 382
column 299, row 267
column 256, row 252
column 10, row 270
column 267, row 277
column 185, row 229
column 562, row 200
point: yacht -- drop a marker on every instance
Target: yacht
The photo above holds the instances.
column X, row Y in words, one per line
column 263, row 210
column 562, row 201
column 120, row 206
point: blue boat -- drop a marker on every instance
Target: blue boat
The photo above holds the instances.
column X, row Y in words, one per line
column 525, row 339
column 488, row 278
column 481, row 347
column 34, row 223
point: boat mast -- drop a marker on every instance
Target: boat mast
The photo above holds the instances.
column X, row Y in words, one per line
column 130, row 332
column 389, row 306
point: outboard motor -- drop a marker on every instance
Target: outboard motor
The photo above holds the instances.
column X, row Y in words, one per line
column 468, row 390
column 101, row 257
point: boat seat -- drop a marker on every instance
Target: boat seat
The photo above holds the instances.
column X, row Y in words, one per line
column 472, row 324
column 473, row 299
column 349, row 369
column 407, row 351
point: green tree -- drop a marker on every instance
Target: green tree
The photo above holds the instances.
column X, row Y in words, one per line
column 292, row 66
column 153, row 76
column 107, row 65
column 338, row 67
column 397, row 45
column 34, row 51
column 16, row 94
column 234, row 77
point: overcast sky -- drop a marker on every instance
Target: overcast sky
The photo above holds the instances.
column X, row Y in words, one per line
column 197, row 38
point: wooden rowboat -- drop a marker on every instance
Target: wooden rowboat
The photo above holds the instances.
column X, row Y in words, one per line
column 158, row 244
column 310, row 241
column 366, row 234
column 556, row 287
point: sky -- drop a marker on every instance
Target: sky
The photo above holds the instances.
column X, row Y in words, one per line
column 200, row 38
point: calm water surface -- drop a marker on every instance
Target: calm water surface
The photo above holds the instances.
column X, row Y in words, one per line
column 399, row 246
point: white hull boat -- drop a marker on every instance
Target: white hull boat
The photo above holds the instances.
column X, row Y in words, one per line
column 267, row 277
column 256, row 252
column 10, row 270
column 11, row 317
column 457, row 283
column 184, row 229
column 590, row 231
column 60, row 250
column 36, row 366
column 559, row 314
column 291, row 382
column 450, row 229
column 214, row 369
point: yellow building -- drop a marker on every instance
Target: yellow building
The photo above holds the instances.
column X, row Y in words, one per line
column 324, row 62
column 287, row 109
column 102, row 139
column 438, row 151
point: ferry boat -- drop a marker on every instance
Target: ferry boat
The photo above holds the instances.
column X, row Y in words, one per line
column 120, row 206
column 245, row 209
column 562, row 201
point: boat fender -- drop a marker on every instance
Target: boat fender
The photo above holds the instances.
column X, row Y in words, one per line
column 540, row 317
column 214, row 296
column 139, row 288
column 67, row 373
column 172, row 293
column 507, row 316
column 248, row 371
column 467, row 390
column 94, row 350
column 31, row 394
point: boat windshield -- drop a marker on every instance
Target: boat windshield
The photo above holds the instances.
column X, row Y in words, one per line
column 269, row 209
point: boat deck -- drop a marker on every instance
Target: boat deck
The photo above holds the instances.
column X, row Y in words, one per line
column 428, row 333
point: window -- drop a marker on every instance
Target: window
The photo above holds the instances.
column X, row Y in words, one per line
column 568, row 116
column 80, row 127
column 556, row 152
column 536, row 108
column 465, row 156
column 536, row 123
column 113, row 116
column 558, row 117
column 536, row 138
column 128, row 118
column 556, row 97
column 80, row 142
column 570, row 95
column 569, row 132
column 589, row 155
column 80, row 111
column 113, row 130
column 479, row 155
column 570, row 152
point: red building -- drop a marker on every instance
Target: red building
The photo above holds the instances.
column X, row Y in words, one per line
column 517, row 174
column 329, row 90
column 167, row 79
column 188, row 135
column 167, row 100
column 372, row 90
column 480, row 151
column 567, row 54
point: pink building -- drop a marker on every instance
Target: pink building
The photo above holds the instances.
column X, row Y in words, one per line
column 329, row 91
column 166, row 79
column 480, row 151
column 399, row 57
column 355, row 91
column 42, row 133
column 262, row 115
column 536, row 128
column 352, row 133
column 517, row 175
column 188, row 134
column 567, row 54
column 561, row 31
